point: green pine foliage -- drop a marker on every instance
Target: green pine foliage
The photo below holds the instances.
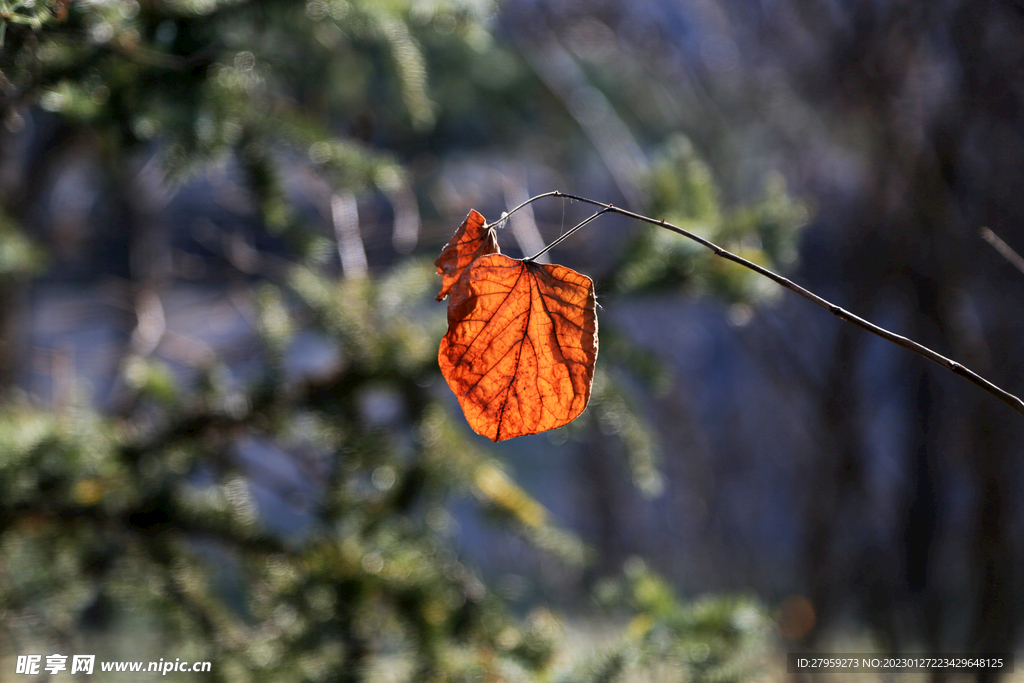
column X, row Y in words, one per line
column 685, row 193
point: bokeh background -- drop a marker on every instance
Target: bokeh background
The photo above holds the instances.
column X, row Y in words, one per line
column 223, row 433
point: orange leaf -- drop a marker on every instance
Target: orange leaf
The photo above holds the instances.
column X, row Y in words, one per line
column 471, row 240
column 521, row 345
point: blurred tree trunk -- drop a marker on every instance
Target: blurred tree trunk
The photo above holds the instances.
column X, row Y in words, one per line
column 27, row 176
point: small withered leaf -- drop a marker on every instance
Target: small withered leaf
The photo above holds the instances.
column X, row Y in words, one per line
column 471, row 241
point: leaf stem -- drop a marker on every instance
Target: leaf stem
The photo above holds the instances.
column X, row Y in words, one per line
column 899, row 340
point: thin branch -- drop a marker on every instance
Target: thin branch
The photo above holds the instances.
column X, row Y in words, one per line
column 567, row 235
column 529, row 201
column 1004, row 249
column 951, row 365
column 147, row 57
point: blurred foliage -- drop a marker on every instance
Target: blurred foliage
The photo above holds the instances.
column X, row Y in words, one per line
column 140, row 534
column 685, row 194
column 18, row 255
column 711, row 640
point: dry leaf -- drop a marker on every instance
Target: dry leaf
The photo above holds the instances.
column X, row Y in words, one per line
column 521, row 344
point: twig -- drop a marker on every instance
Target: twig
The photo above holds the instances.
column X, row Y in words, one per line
column 951, row 365
column 1004, row 249
column 531, row 200
column 567, row 234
